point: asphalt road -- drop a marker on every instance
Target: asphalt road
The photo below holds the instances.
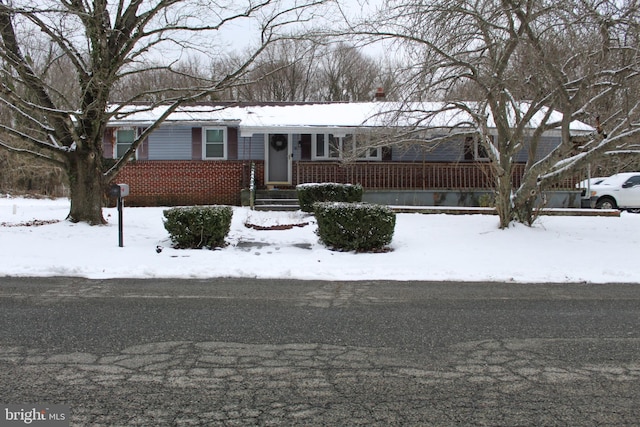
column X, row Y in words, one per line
column 277, row 352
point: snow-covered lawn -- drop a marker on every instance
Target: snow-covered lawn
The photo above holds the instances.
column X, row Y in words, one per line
column 424, row 247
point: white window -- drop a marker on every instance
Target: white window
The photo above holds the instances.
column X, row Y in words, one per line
column 124, row 139
column 474, row 150
column 361, row 147
column 356, row 146
column 214, row 143
column 325, row 146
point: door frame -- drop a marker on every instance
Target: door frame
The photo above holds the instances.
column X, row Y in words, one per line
column 289, row 154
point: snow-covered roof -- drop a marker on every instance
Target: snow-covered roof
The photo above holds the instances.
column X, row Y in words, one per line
column 313, row 116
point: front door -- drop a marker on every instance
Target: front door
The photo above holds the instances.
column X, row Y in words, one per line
column 278, row 170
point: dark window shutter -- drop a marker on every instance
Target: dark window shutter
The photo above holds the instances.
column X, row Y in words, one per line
column 107, row 143
column 387, row 155
column 232, row 143
column 305, row 146
column 468, row 149
column 196, row 143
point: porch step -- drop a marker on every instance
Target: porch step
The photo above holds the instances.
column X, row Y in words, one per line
column 276, row 200
column 276, row 205
column 277, row 194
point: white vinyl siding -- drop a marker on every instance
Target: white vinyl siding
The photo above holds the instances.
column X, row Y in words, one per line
column 449, row 151
column 170, row 143
column 251, row 148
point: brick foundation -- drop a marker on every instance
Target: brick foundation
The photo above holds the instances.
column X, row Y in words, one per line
column 180, row 183
column 205, row 182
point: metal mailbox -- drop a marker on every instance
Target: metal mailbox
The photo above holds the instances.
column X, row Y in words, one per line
column 119, row 190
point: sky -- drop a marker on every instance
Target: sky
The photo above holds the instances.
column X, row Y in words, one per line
column 35, row 240
column 241, row 34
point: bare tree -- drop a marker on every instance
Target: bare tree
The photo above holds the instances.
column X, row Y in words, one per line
column 101, row 43
column 347, row 74
column 521, row 60
column 285, row 72
column 154, row 82
column 299, row 70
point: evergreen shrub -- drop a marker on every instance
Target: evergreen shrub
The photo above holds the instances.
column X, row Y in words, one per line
column 356, row 227
column 308, row 194
column 198, row 226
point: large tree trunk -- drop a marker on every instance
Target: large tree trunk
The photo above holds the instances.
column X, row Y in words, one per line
column 524, row 208
column 525, row 201
column 504, row 193
column 520, row 206
column 87, row 188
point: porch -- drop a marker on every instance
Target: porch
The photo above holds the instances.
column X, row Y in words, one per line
column 408, row 175
column 417, row 184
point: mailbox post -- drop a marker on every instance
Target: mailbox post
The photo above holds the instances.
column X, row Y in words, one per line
column 119, row 191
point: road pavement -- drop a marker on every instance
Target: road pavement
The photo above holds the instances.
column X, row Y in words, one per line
column 283, row 352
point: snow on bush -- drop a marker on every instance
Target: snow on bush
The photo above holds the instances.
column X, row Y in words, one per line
column 356, row 227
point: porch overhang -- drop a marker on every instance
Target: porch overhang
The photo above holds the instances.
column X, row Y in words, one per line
column 166, row 123
column 249, row 131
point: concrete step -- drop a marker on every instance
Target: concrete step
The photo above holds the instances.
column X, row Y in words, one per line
column 276, row 200
column 276, row 194
column 274, row 208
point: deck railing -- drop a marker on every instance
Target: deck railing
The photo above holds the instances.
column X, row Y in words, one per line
column 400, row 175
column 252, row 185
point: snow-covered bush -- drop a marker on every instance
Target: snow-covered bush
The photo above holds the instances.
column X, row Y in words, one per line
column 357, row 227
column 198, row 226
column 308, row 194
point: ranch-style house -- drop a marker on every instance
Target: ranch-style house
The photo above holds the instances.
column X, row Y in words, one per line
column 209, row 154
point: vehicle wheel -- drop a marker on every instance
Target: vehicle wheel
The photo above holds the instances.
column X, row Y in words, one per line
column 634, row 210
column 606, row 203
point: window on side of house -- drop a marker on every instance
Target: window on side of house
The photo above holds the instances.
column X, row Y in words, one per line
column 325, row 146
column 482, row 151
column 360, row 147
column 329, row 146
column 320, row 148
column 214, row 143
column 335, row 146
column 474, row 150
column 366, row 149
column 124, row 139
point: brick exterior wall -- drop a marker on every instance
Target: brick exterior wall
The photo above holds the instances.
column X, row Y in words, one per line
column 206, row 182
column 185, row 183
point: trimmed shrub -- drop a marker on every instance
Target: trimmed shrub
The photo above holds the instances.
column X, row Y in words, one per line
column 198, row 226
column 308, row 194
column 356, row 227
